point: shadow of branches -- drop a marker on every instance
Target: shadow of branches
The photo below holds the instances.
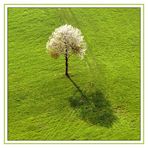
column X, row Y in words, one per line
column 92, row 105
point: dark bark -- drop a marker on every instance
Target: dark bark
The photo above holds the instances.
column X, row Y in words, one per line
column 66, row 62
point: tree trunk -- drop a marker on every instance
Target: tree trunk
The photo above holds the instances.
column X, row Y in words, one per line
column 66, row 62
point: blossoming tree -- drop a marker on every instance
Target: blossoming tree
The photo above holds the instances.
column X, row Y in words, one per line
column 66, row 40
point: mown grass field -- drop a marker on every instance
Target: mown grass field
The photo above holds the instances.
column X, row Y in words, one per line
column 44, row 105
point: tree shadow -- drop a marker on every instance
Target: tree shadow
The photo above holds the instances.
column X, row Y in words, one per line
column 78, row 88
column 92, row 105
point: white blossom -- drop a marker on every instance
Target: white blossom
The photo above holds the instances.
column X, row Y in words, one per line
column 66, row 37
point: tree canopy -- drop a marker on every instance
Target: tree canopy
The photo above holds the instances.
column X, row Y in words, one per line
column 66, row 37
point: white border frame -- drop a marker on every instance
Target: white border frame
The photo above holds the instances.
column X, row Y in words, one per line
column 6, row 78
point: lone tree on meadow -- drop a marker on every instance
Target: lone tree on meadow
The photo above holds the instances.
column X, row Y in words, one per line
column 66, row 40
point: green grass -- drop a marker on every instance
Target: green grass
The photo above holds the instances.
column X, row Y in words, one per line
column 45, row 105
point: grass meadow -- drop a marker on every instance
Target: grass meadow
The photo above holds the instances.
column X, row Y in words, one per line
column 43, row 104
